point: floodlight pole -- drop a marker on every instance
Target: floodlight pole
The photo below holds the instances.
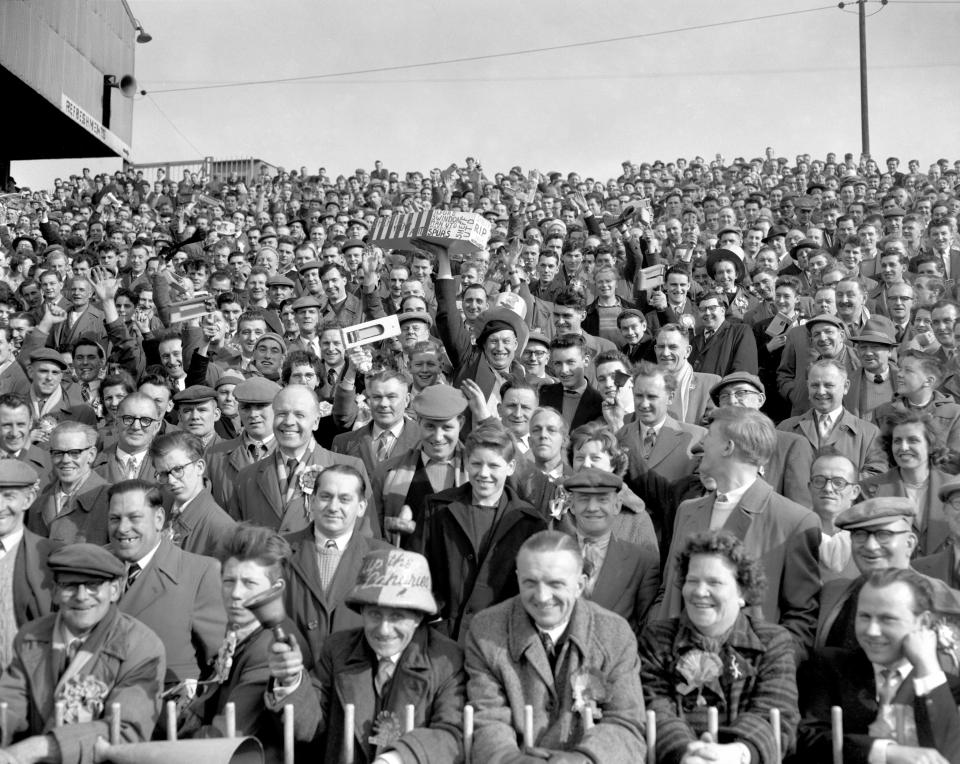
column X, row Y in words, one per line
column 864, row 107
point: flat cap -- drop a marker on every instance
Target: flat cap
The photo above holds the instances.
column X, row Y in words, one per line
column 807, row 203
column 16, row 474
column 256, row 390
column 440, row 402
column 195, row 394
column 231, row 377
column 776, row 230
column 894, row 212
column 270, row 336
column 737, row 377
column 47, row 354
column 350, row 244
column 281, row 281
column 359, row 222
column 309, row 266
column 730, row 229
column 307, row 301
column 593, row 481
column 83, row 562
column 880, row 511
column 537, row 335
column 825, row 318
column 415, row 315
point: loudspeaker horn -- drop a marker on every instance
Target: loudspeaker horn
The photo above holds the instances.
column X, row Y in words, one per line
column 220, row 750
column 128, row 85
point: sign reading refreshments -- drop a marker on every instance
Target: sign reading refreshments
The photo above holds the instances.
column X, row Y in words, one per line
column 93, row 126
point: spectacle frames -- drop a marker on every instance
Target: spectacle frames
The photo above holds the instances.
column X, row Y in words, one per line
column 860, row 535
column 143, row 421
column 836, row 483
column 735, row 395
column 162, row 476
column 73, row 453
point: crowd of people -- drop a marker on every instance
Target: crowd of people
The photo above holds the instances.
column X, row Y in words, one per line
column 687, row 440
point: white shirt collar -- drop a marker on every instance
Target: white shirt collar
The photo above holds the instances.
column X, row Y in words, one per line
column 10, row 542
column 395, row 430
column 341, row 542
column 145, row 560
column 734, row 495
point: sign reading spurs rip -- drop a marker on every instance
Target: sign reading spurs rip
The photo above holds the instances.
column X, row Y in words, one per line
column 460, row 232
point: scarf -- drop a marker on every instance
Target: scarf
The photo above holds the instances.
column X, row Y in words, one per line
column 684, row 381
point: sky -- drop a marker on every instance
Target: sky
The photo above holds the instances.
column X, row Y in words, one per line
column 660, row 91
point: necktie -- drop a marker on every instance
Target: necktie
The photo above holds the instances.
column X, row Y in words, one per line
column 72, row 649
column 823, row 425
column 329, row 559
column 707, row 334
column 254, row 450
column 385, row 669
column 878, row 379
column 384, row 444
column 889, row 684
column 550, row 648
column 722, row 498
column 85, row 392
column 130, row 470
column 291, row 472
column 133, row 573
column 649, row 441
column 331, row 378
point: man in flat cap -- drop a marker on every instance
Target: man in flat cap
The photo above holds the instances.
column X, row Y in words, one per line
column 945, row 563
column 898, row 704
column 73, row 507
column 392, row 658
column 87, row 654
column 198, row 412
column 306, row 312
column 788, row 469
column 435, row 463
column 255, row 441
column 621, row 576
column 882, row 535
column 273, row 491
column 528, row 650
column 25, row 582
column 48, row 399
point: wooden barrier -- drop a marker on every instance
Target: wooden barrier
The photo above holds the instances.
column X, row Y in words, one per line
column 467, row 732
column 528, row 726
column 59, row 712
column 349, row 713
column 230, row 719
column 4, row 733
column 777, row 738
column 713, row 722
column 836, row 720
column 288, row 743
column 171, row 720
column 651, row 737
column 114, row 724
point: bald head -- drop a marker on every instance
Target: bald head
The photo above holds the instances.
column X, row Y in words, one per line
column 296, row 414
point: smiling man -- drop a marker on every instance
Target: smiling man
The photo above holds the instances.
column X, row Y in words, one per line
column 897, row 701
column 551, row 630
column 572, row 395
column 16, row 422
column 270, row 492
column 126, row 656
column 175, row 593
column 198, row 413
column 692, row 399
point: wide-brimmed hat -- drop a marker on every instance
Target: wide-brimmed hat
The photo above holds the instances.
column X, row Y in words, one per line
column 715, row 256
column 490, row 321
column 394, row 578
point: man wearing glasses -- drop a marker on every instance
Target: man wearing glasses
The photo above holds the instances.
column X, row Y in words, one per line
column 882, row 535
column 138, row 422
column 833, row 489
column 72, row 508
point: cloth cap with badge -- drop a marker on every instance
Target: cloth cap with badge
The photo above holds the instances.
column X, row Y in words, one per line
column 83, row 562
column 592, row 480
column 393, row 578
column 880, row 511
column 440, row 402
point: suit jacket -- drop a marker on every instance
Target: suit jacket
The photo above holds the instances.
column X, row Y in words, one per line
column 68, row 411
column 14, row 380
column 105, row 464
column 224, row 461
column 359, row 443
column 38, row 459
column 670, row 456
column 939, row 565
column 732, row 348
column 795, row 360
column 845, row 678
column 669, row 315
column 788, row 470
column 429, row 676
column 934, row 532
column 201, row 527
column 856, row 439
column 120, row 652
column 699, row 401
column 316, row 613
column 32, row 580
column 944, row 410
column 463, row 581
column 259, row 498
column 508, row 669
column 591, row 322
column 85, row 519
column 628, row 582
column 589, row 407
column 178, row 596
column 784, row 536
column 90, row 322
